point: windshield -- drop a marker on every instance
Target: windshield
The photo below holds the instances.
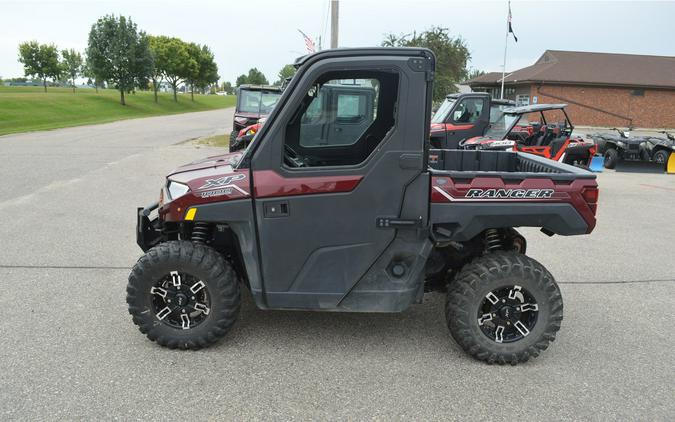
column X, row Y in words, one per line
column 442, row 112
column 501, row 127
column 496, row 111
column 261, row 102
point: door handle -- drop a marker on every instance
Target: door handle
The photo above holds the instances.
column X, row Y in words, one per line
column 275, row 209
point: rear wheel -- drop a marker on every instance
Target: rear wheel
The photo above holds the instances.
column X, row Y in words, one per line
column 611, row 158
column 661, row 157
column 504, row 307
column 183, row 295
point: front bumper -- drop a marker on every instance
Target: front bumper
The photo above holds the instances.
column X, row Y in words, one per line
column 147, row 230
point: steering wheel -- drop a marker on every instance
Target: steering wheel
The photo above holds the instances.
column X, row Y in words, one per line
column 292, row 158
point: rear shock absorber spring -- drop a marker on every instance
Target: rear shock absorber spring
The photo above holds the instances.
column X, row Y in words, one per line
column 493, row 240
column 201, row 233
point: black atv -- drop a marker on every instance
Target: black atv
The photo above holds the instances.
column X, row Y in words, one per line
column 622, row 146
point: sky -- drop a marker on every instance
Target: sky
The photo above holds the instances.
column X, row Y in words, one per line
column 264, row 34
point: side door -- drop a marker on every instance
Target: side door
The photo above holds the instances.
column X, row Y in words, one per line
column 469, row 118
column 321, row 206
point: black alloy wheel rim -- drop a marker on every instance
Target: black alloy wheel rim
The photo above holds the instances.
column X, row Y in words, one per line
column 180, row 300
column 507, row 314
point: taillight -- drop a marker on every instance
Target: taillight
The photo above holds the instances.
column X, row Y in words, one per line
column 591, row 197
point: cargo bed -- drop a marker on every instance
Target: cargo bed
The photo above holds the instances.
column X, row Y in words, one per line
column 466, row 164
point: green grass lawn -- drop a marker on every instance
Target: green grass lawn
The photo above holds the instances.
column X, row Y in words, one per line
column 25, row 109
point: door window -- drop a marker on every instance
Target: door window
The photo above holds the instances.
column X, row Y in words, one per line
column 342, row 119
column 468, row 110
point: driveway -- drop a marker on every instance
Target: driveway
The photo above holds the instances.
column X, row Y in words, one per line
column 70, row 351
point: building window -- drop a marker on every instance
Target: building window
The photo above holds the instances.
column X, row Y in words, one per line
column 638, row 93
column 522, row 100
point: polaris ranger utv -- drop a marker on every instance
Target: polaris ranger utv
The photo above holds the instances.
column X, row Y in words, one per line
column 463, row 116
column 355, row 220
column 253, row 103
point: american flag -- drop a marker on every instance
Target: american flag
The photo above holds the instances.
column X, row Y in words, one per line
column 309, row 43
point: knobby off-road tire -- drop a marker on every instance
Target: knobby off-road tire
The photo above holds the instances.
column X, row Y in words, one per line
column 661, row 157
column 611, row 158
column 233, row 137
column 496, row 272
column 220, row 290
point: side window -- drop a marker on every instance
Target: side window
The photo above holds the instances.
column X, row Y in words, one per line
column 342, row 120
column 468, row 110
column 351, row 106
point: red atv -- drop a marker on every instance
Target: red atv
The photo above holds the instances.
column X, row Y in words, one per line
column 540, row 129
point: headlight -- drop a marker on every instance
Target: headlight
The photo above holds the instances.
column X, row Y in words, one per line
column 241, row 120
column 621, row 144
column 176, row 190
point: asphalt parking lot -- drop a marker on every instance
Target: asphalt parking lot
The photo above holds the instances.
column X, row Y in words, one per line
column 70, row 351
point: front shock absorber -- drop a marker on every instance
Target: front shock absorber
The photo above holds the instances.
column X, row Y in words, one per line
column 493, row 240
column 201, row 233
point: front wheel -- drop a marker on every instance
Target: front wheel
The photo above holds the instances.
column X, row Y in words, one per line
column 183, row 295
column 504, row 307
column 611, row 158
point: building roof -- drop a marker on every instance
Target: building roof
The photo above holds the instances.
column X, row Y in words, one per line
column 490, row 77
column 584, row 68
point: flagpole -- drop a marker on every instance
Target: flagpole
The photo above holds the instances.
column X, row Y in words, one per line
column 506, row 44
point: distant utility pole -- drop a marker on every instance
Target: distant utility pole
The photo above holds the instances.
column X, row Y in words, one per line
column 334, row 12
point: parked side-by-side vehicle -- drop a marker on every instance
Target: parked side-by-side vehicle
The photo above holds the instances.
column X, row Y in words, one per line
column 344, row 208
column 540, row 129
column 463, row 116
column 253, row 103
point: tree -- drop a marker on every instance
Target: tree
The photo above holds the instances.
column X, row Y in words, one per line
column 254, row 77
column 474, row 73
column 206, row 71
column 86, row 71
column 40, row 60
column 158, row 49
column 286, row 72
column 173, row 61
column 227, row 88
column 71, row 64
column 119, row 53
column 452, row 56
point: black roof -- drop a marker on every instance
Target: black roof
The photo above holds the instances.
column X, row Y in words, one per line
column 497, row 101
column 366, row 51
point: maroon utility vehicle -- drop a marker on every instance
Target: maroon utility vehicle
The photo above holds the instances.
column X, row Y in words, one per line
column 463, row 116
column 253, row 103
column 338, row 209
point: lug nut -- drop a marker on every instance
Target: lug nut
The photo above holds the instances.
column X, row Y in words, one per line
column 169, row 300
column 183, row 311
column 503, row 300
column 193, row 298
